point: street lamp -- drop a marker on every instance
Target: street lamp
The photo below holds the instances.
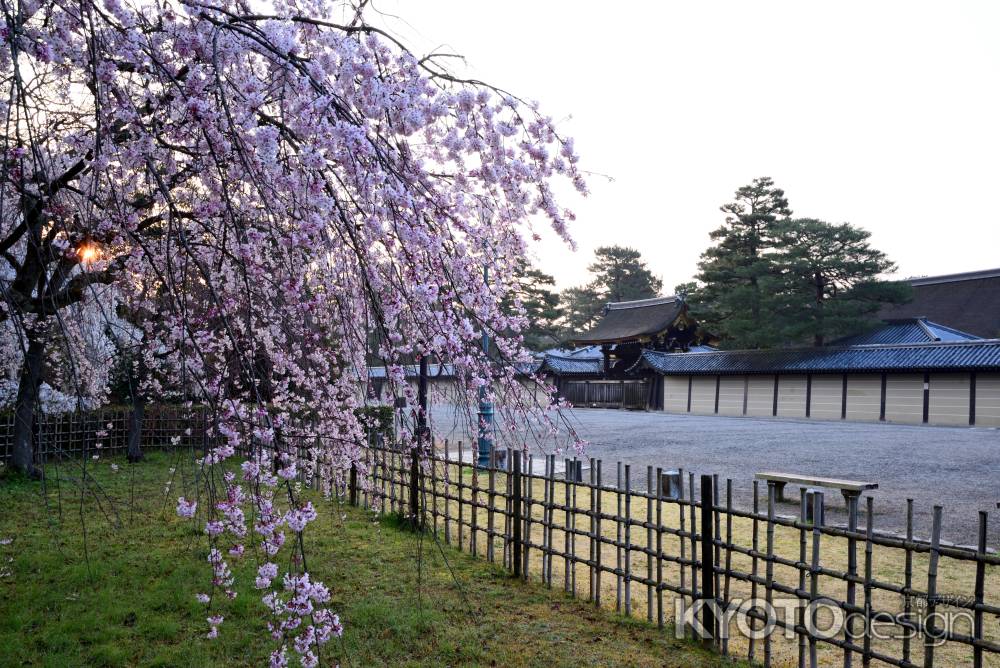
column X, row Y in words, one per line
column 485, row 441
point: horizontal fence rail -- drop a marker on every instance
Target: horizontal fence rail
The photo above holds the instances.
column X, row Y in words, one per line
column 834, row 595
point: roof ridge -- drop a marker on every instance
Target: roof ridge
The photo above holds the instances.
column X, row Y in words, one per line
column 820, row 349
column 639, row 303
column 953, row 278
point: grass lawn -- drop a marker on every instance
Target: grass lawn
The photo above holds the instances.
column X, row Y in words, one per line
column 129, row 598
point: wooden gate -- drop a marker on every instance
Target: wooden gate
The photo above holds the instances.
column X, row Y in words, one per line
column 631, row 394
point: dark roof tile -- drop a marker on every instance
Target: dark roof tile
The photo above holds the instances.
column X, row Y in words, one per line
column 628, row 321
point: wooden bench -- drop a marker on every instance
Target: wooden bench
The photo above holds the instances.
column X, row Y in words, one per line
column 851, row 489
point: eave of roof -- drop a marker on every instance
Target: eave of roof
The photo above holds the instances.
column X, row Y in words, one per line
column 638, row 320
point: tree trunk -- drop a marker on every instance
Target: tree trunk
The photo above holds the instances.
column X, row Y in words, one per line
column 27, row 404
column 135, row 428
column 820, row 283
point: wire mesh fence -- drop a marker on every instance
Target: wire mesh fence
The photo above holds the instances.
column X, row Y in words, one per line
column 757, row 583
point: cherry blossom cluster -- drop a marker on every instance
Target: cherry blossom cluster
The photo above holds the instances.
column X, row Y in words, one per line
column 281, row 197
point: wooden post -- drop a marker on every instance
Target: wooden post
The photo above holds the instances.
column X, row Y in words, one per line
column 680, row 538
column 659, row 548
column 628, row 539
column 597, row 534
column 490, row 502
column 866, row 657
column 447, row 490
column 801, row 613
column 729, row 556
column 460, row 488
column 977, row 624
column 694, row 538
column 932, row 567
column 618, row 540
column 353, row 497
column 551, row 519
column 852, row 572
column 567, row 532
column 649, row 543
column 473, row 505
column 755, row 544
column 516, row 514
column 593, row 524
column 908, row 578
column 528, row 497
column 769, row 566
column 707, row 552
column 817, row 514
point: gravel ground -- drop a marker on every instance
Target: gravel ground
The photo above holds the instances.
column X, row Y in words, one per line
column 957, row 468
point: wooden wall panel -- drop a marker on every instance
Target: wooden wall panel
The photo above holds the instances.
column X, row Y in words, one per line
column 864, row 397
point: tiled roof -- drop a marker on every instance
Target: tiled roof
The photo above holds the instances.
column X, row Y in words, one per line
column 969, row 302
column 571, row 365
column 628, row 321
column 909, row 330
column 983, row 354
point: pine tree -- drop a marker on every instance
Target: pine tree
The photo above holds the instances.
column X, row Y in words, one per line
column 620, row 275
column 736, row 274
column 828, row 276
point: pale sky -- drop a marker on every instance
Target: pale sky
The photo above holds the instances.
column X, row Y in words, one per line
column 882, row 114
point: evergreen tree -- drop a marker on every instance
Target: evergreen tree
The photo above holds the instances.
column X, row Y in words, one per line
column 620, row 275
column 582, row 307
column 541, row 305
column 737, row 277
column 828, row 280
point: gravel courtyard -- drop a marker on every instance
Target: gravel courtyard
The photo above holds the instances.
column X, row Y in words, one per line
column 957, row 468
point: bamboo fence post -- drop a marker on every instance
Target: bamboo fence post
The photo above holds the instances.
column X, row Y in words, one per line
column 802, row 567
column 729, row 556
column 717, row 532
column 618, row 540
column 681, row 539
column 474, row 519
column 908, row 578
column 755, row 548
column 977, row 623
column 866, row 657
column 353, row 498
column 708, row 559
column 508, row 508
column 593, row 529
column 600, row 541
column 491, row 501
column 528, row 507
column 694, row 539
column 659, row 548
column 460, row 487
column 817, row 513
column 628, row 539
column 516, row 515
column 566, row 532
column 447, row 493
column 577, row 465
column 769, row 567
column 649, row 544
column 932, row 567
column 551, row 518
column 434, row 489
column 545, row 522
column 852, row 572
